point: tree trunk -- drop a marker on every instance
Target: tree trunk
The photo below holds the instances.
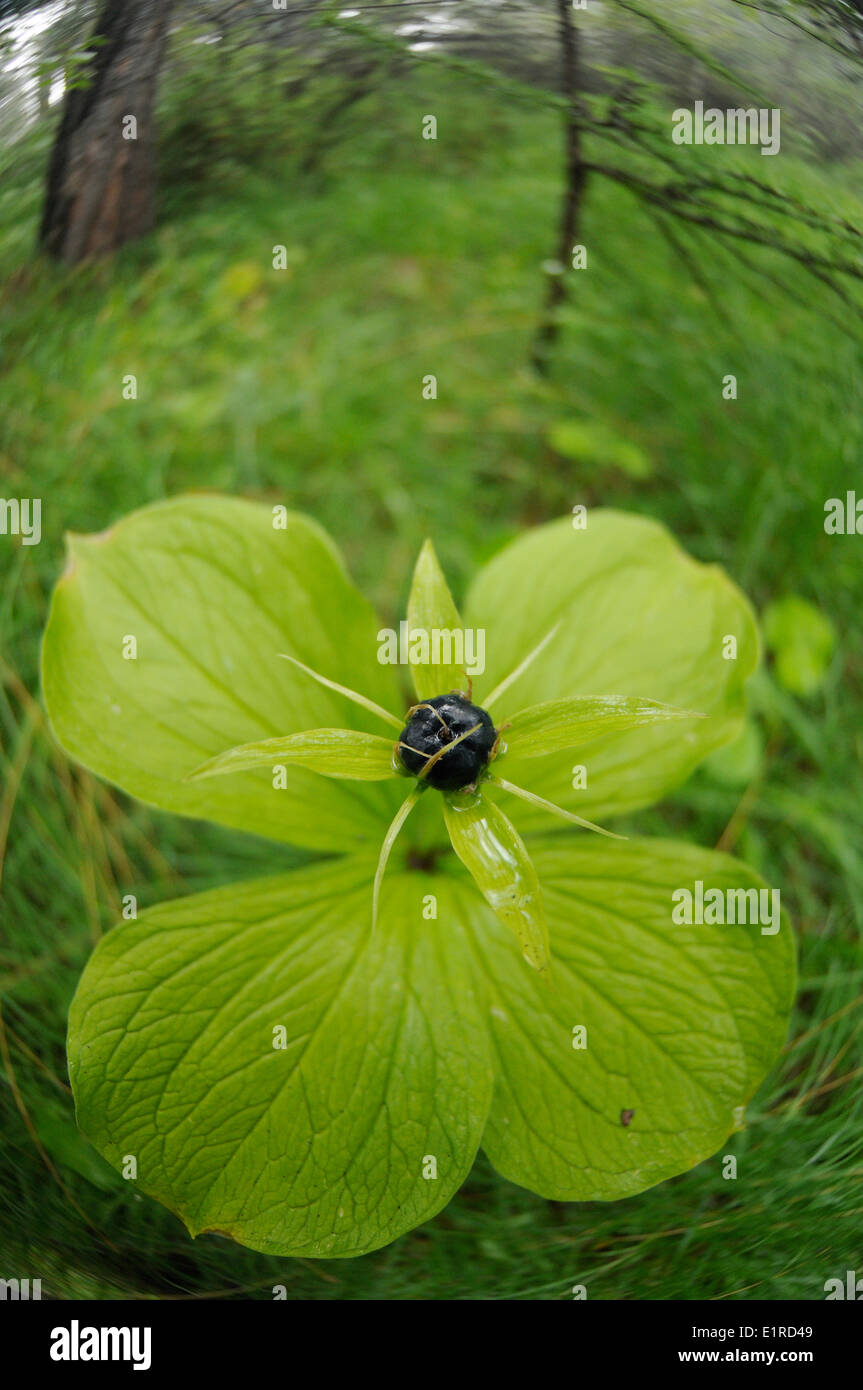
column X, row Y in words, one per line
column 573, row 191
column 101, row 186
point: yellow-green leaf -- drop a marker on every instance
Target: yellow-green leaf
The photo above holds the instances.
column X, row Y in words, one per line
column 434, row 630
column 282, row 1076
column 639, row 1063
column 558, row 724
column 633, row 615
column 332, row 752
column 163, row 649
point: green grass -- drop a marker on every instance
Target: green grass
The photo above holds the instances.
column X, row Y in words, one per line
column 304, row 386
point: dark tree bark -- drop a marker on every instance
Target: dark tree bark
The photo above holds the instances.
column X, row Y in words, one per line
column 101, row 185
column 575, row 176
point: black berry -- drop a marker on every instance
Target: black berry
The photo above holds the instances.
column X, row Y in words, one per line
column 432, row 727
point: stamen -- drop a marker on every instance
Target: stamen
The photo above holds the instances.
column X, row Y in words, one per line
column 550, row 806
column 425, row 705
column 520, row 669
column 343, row 690
column 446, row 749
column 390, row 838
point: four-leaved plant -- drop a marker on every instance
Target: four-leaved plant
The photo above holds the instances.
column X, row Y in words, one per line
column 309, row 1063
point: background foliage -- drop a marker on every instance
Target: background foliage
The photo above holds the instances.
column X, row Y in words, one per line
column 408, row 257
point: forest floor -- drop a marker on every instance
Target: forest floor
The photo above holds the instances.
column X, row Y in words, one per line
column 305, row 385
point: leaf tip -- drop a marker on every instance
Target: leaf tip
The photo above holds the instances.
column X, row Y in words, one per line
column 541, row 965
column 71, row 564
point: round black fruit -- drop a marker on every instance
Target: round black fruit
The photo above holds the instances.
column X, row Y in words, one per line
column 432, row 727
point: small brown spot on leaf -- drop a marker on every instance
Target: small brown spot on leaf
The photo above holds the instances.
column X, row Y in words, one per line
column 626, row 1116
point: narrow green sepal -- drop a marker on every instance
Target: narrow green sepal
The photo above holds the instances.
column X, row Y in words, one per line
column 331, row 752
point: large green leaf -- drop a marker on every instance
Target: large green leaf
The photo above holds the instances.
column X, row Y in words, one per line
column 682, row 1022
column 213, row 593
column 638, row 618
column 321, row 1147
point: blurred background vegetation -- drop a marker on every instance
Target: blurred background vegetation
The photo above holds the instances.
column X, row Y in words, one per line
column 408, row 257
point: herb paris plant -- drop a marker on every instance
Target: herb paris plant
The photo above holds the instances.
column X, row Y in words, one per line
column 286, row 1074
column 448, row 743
